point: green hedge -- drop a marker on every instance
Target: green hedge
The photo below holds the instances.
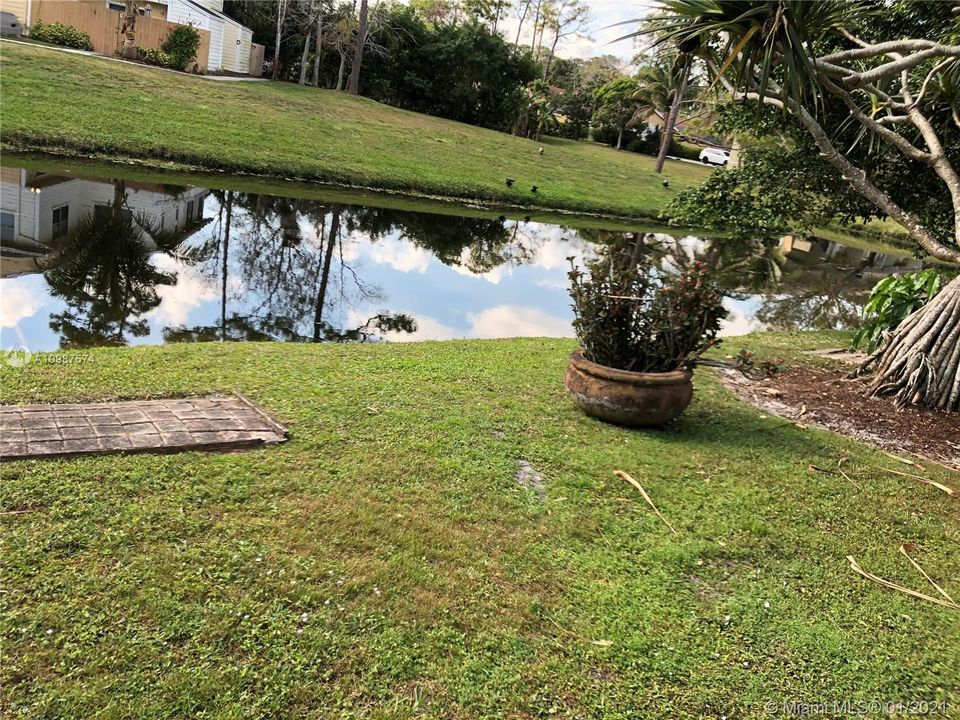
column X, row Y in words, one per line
column 152, row 56
column 181, row 46
column 60, row 34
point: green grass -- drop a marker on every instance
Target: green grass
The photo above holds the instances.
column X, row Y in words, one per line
column 433, row 585
column 55, row 101
column 327, row 194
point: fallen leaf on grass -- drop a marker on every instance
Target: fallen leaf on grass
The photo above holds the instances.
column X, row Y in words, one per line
column 621, row 474
column 899, row 588
column 939, row 486
column 905, row 461
column 600, row 643
column 913, row 562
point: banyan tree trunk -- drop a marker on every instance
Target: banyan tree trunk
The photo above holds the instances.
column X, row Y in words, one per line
column 918, row 363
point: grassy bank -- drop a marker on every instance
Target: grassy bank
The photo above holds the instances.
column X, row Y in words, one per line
column 385, row 563
column 58, row 101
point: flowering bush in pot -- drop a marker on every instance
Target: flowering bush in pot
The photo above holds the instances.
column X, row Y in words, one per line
column 641, row 331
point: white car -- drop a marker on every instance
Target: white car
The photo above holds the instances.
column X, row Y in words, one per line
column 714, row 156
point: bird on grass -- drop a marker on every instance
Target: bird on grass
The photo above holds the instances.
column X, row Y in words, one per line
column 666, row 183
column 510, row 182
column 533, row 188
column 540, row 150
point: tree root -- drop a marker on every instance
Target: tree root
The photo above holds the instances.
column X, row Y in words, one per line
column 919, row 362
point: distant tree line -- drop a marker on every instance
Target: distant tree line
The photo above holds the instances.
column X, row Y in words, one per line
column 491, row 63
column 453, row 59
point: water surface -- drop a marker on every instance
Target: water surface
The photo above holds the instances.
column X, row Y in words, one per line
column 88, row 259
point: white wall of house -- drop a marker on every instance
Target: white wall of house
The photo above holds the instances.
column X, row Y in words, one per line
column 186, row 13
column 18, row 201
column 237, row 41
column 243, row 49
column 231, row 44
column 34, row 211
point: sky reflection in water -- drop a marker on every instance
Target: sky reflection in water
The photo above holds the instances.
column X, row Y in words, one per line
column 89, row 261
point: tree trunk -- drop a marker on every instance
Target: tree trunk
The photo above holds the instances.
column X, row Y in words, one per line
column 318, row 48
column 303, row 58
column 342, row 70
column 223, row 278
column 325, row 276
column 918, row 363
column 129, row 31
column 671, row 118
column 536, row 23
column 354, row 87
column 553, row 49
column 526, row 9
column 281, row 14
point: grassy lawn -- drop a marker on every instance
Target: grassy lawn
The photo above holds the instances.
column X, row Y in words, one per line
column 58, row 101
column 385, row 564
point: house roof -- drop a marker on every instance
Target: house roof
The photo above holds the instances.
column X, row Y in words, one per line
column 213, row 13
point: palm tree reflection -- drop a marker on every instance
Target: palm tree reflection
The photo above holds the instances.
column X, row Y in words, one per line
column 104, row 274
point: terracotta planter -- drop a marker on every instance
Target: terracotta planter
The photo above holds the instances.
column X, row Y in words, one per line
column 628, row 398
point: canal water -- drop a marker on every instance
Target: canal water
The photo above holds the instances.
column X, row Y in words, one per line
column 89, row 259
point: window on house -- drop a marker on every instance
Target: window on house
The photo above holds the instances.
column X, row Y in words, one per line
column 7, row 229
column 61, row 220
column 177, row 216
column 190, row 210
column 116, row 6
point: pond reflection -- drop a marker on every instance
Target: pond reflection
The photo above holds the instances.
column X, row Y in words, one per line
column 100, row 261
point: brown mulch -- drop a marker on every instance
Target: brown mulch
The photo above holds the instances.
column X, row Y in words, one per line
column 827, row 399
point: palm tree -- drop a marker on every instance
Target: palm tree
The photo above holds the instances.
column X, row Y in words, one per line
column 792, row 54
column 680, row 71
column 104, row 275
column 659, row 91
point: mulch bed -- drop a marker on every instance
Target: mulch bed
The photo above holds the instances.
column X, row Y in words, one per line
column 828, row 399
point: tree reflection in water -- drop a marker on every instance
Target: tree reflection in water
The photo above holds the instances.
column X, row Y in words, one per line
column 103, row 273
column 799, row 293
column 282, row 268
column 285, row 249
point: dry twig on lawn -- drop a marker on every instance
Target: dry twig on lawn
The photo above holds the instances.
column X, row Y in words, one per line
column 623, row 475
column 913, row 562
column 601, row 643
column 948, row 491
column 899, row 588
column 905, row 461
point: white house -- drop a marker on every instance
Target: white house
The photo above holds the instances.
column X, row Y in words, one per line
column 230, row 41
column 37, row 208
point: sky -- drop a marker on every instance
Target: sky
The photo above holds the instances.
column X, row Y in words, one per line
column 604, row 13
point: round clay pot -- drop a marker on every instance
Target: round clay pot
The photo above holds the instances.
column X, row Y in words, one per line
column 628, row 398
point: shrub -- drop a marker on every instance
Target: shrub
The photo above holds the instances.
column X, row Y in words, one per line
column 181, row 46
column 648, row 143
column 630, row 315
column 152, row 56
column 891, row 301
column 60, row 34
column 607, row 135
column 683, row 150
